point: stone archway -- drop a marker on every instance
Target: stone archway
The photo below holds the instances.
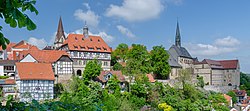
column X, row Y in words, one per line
column 79, row 73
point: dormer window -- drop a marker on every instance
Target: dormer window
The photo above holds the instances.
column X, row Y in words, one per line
column 75, row 47
column 75, row 38
column 91, row 48
column 90, row 39
column 98, row 48
column 98, row 41
column 82, row 47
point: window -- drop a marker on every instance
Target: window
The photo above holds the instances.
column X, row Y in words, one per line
column 105, row 55
column 98, row 48
column 75, row 54
column 105, row 63
column 91, row 48
column 9, row 68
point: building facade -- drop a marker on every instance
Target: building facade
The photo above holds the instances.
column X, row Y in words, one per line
column 7, row 67
column 83, row 48
column 62, row 64
column 219, row 72
column 34, row 81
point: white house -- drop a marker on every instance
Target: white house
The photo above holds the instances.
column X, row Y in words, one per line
column 34, row 81
column 62, row 65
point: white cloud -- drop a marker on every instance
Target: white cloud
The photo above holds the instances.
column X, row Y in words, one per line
column 136, row 10
column 125, row 31
column 106, row 37
column 40, row 43
column 89, row 16
column 228, row 41
column 220, row 46
column 176, row 2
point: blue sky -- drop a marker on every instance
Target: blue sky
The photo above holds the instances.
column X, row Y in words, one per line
column 214, row 29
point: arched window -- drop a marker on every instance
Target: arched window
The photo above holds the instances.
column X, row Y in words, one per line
column 79, row 73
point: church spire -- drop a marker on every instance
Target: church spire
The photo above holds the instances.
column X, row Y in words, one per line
column 60, row 37
column 178, row 36
column 86, row 30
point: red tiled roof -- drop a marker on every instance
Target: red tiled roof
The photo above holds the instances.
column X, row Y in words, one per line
column 22, row 45
column 228, row 98
column 92, row 43
column 229, row 64
column 117, row 73
column 10, row 81
column 8, row 48
column 150, row 78
column 35, row 71
column 240, row 92
column 46, row 56
column 220, row 64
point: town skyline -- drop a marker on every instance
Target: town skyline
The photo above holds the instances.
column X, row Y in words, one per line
column 219, row 33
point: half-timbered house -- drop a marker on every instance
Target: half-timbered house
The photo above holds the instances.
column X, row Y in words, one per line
column 34, row 81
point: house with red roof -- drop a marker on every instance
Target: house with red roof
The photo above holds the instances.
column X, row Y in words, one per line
column 34, row 81
column 104, row 77
column 60, row 61
column 83, row 48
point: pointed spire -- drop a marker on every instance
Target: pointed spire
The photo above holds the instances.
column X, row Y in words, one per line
column 178, row 36
column 85, row 30
column 60, row 32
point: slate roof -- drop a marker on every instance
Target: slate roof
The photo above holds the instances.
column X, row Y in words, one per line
column 180, row 52
column 172, row 61
column 91, row 44
column 35, row 71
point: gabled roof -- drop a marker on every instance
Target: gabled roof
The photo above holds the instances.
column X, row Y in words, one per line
column 92, row 44
column 180, row 52
column 8, row 48
column 34, row 71
column 213, row 64
column 118, row 74
column 23, row 45
column 229, row 64
column 220, row 64
column 44, row 56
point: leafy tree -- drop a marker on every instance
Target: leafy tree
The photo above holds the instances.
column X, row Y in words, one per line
column 159, row 61
column 121, row 52
column 113, row 84
column 138, row 61
column 245, row 82
column 117, row 67
column 200, row 81
column 92, row 70
column 13, row 12
column 233, row 95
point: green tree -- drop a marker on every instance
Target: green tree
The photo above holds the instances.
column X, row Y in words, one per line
column 13, row 12
column 138, row 61
column 121, row 52
column 117, row 67
column 245, row 82
column 159, row 61
column 233, row 95
column 92, row 70
column 200, row 81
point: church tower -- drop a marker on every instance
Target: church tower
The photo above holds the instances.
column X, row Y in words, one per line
column 86, row 30
column 60, row 37
column 178, row 36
